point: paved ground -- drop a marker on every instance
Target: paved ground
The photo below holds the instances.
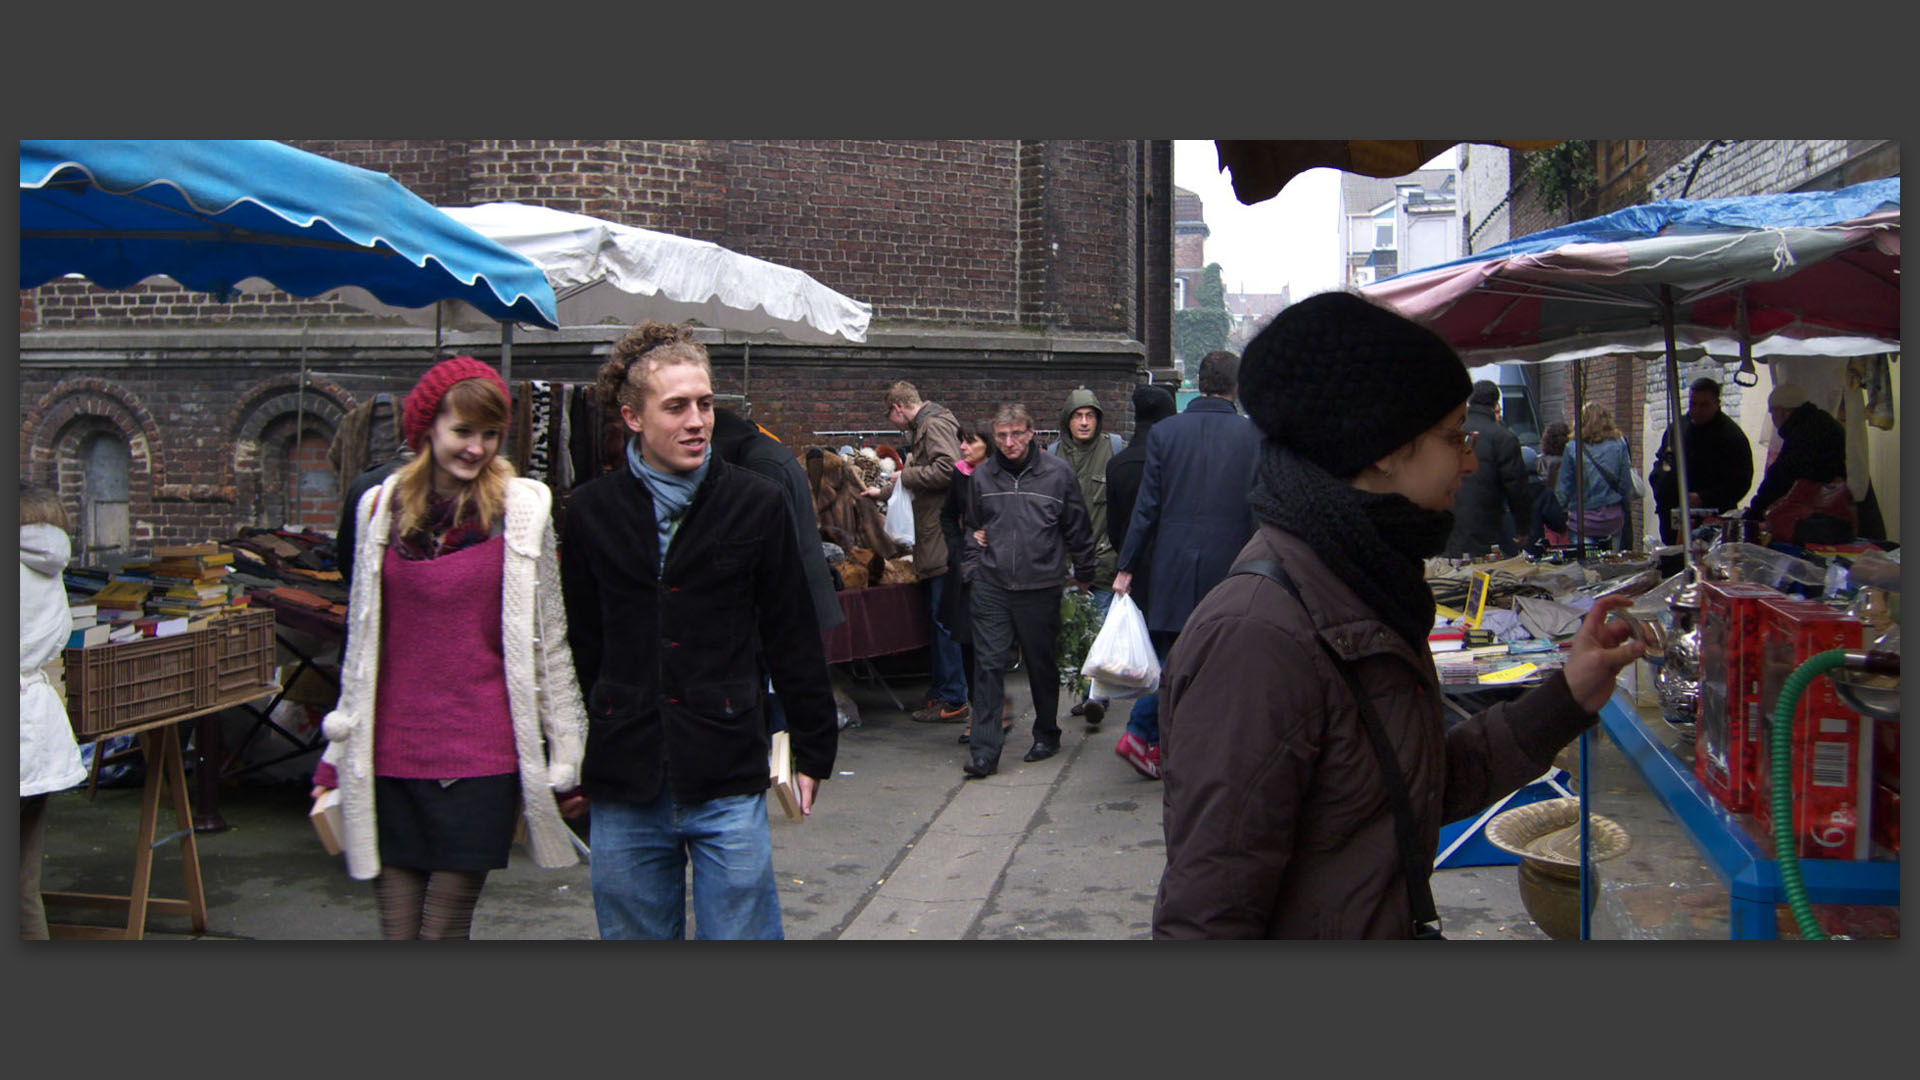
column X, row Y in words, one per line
column 899, row 848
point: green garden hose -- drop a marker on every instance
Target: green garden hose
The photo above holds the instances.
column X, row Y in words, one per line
column 1781, row 751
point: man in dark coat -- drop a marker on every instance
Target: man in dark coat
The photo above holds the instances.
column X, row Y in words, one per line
column 1189, row 522
column 1719, row 460
column 1028, row 526
column 685, row 594
column 1496, row 488
column 746, row 444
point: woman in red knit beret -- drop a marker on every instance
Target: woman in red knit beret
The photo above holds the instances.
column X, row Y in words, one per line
column 459, row 710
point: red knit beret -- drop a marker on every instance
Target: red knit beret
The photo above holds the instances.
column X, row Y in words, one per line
column 423, row 402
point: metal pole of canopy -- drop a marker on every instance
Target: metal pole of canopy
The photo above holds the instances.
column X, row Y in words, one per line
column 1579, row 463
column 746, row 374
column 1674, row 424
column 299, row 430
column 506, row 349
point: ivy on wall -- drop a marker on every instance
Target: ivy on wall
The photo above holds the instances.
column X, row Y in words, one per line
column 1200, row 329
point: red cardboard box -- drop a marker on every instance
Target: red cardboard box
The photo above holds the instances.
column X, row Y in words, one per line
column 1832, row 781
column 1728, row 722
column 1886, row 754
column 1886, row 815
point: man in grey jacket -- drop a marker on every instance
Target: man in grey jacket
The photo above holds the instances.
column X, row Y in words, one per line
column 1028, row 517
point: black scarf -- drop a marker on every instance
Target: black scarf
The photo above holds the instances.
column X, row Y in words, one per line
column 1012, row 466
column 1377, row 544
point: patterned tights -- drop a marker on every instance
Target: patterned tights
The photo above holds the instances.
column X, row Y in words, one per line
column 427, row 905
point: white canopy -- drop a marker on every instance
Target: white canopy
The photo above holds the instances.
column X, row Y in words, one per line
column 602, row 272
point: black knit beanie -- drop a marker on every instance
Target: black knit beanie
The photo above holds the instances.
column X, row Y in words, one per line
column 1343, row 382
column 1151, row 403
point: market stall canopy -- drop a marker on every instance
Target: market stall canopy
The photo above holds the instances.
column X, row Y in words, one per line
column 211, row 214
column 1261, row 167
column 603, row 271
column 1747, row 269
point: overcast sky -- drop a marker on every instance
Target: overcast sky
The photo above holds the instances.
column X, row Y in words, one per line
column 1292, row 239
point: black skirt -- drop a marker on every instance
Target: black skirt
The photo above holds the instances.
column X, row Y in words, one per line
column 466, row 825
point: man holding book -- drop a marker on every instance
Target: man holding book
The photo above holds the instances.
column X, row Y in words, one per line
column 685, row 591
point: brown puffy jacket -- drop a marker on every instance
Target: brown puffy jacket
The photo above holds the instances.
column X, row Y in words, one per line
column 1277, row 820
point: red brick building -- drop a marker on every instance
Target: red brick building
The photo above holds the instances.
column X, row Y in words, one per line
column 997, row 270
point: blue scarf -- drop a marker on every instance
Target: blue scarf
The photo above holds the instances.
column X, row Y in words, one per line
column 672, row 492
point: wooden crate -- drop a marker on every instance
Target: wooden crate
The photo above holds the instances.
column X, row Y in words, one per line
column 243, row 653
column 114, row 686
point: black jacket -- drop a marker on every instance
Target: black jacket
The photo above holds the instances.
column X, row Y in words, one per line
column 1035, row 519
column 1497, row 486
column 1123, row 487
column 741, row 442
column 1813, row 446
column 671, row 661
column 955, row 510
column 1719, row 467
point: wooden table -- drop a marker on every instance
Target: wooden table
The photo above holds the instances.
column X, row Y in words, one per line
column 166, row 777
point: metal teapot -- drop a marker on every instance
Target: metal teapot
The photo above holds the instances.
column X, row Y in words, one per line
column 1679, row 679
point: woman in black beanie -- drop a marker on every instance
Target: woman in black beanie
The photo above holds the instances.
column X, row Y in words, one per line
column 1281, row 819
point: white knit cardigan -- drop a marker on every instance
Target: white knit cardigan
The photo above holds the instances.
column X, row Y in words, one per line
column 543, row 696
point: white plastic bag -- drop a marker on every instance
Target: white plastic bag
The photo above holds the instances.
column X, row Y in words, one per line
column 900, row 515
column 1121, row 659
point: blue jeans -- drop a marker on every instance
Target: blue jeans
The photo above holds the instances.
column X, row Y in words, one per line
column 949, row 667
column 639, row 869
column 1143, row 722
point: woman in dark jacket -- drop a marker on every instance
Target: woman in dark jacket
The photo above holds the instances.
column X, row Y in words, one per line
column 956, row 509
column 1278, row 820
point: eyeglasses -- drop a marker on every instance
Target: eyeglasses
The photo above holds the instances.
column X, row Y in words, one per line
column 1013, row 436
column 1460, row 440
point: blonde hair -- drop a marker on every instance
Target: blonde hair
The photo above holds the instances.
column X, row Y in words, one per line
column 476, row 401
column 1596, row 424
column 41, row 506
column 659, row 345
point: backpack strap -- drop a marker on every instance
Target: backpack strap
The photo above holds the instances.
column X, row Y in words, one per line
column 1426, row 921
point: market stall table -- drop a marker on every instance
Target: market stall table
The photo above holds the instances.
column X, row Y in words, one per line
column 881, row 620
column 1727, row 842
column 166, row 775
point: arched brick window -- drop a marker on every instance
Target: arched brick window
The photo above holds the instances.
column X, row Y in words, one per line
column 297, row 484
column 279, row 484
column 105, row 494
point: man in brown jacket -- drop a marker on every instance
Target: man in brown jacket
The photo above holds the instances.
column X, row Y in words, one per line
column 933, row 445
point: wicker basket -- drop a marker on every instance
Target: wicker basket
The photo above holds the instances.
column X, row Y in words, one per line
column 110, row 687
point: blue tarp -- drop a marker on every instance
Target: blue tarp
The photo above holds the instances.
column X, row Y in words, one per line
column 1796, row 209
column 212, row 213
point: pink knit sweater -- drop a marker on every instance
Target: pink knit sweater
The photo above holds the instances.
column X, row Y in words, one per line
column 440, row 711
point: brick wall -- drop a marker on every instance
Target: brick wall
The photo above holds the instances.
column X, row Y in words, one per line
column 207, row 444
column 926, row 231
column 984, row 241
column 209, row 437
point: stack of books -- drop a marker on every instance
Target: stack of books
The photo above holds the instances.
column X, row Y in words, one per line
column 190, row 582
column 87, row 627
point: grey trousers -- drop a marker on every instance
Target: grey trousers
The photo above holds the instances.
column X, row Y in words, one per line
column 1001, row 618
